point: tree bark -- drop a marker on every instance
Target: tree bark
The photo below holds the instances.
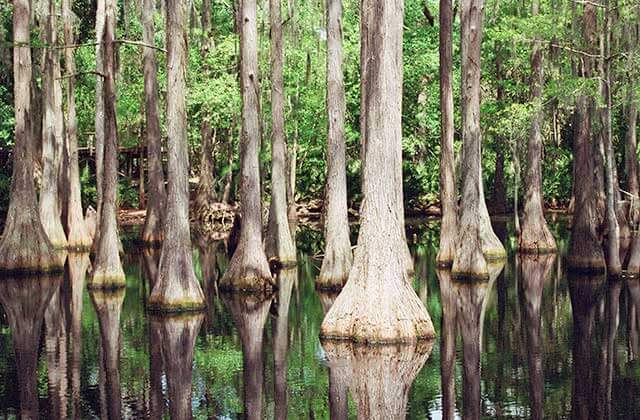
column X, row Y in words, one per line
column 448, row 334
column 100, row 114
column 378, row 304
column 631, row 145
column 337, row 254
column 78, row 235
column 585, row 251
column 154, row 220
column 56, row 351
column 614, row 265
column 278, row 241
column 469, row 260
column 108, row 307
column 535, row 236
column 177, row 288
column 24, row 301
column 248, row 269
column 448, row 196
column 108, row 272
column 52, row 136
column 205, row 194
column 36, row 253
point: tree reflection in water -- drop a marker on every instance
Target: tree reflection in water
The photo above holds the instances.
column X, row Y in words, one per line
column 249, row 313
column 108, row 307
column 463, row 306
column 24, row 300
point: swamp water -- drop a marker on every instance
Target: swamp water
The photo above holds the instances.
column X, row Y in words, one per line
column 532, row 342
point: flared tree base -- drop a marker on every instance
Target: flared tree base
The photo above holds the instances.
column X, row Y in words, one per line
column 535, row 237
column 334, row 272
column 248, row 272
column 25, row 249
column 376, row 308
column 107, row 279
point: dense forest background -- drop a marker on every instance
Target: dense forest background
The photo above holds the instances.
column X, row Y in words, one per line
column 214, row 96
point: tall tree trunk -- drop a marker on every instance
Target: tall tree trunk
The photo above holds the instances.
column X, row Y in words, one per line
column 228, row 183
column 154, row 220
column 378, row 304
column 52, row 136
column 614, row 265
column 56, row 351
column 100, row 115
column 248, row 268
column 78, row 235
column 108, row 308
column 108, row 272
column 278, row 242
column 23, row 219
column 205, row 194
column 535, row 235
column 337, row 254
column 631, row 145
column 469, row 260
column 177, row 288
column 448, row 333
column 24, row 300
column 585, row 252
column 448, row 196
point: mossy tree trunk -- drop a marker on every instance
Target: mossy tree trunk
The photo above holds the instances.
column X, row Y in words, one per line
column 448, row 195
column 535, row 235
column 378, row 303
column 177, row 288
column 108, row 272
column 24, row 246
column 78, row 236
column 52, row 136
column 248, row 269
column 278, row 241
column 337, row 253
column 154, row 220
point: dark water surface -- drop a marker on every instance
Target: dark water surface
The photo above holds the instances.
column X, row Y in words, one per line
column 533, row 342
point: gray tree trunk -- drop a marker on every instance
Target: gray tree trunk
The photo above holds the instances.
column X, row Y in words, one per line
column 248, row 269
column 278, row 241
column 177, row 288
column 78, row 235
column 280, row 328
column 107, row 271
column 470, row 260
column 52, row 136
column 23, row 219
column 378, row 304
column 99, row 118
column 154, row 220
column 337, row 254
column 535, row 236
column 448, row 196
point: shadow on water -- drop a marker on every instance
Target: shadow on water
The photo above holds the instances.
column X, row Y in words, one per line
column 533, row 342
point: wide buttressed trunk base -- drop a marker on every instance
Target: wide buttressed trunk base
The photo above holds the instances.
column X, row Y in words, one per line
column 447, row 249
column 585, row 253
column 535, row 237
column 469, row 262
column 492, row 248
column 248, row 270
column 380, row 377
column 278, row 244
column 633, row 266
column 388, row 309
column 336, row 265
column 176, row 289
column 152, row 234
column 79, row 238
column 24, row 246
